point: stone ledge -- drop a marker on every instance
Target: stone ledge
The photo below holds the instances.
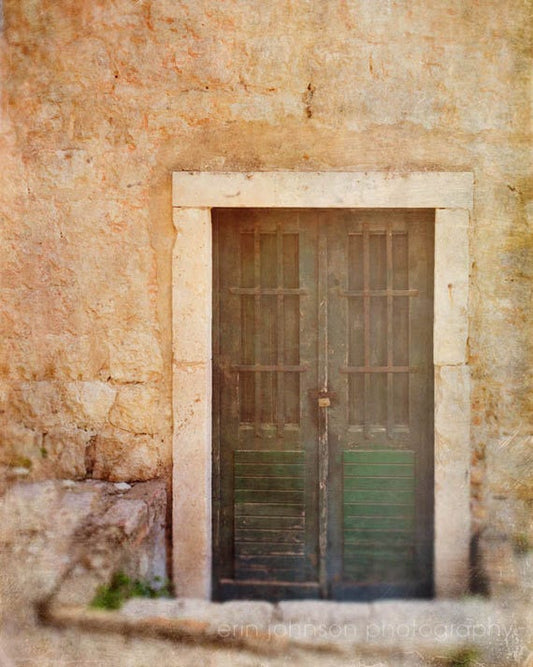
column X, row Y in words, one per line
column 160, row 627
column 417, row 632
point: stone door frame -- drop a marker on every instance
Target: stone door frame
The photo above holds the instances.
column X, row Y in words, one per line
column 194, row 194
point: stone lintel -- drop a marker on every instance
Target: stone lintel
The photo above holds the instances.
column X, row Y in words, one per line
column 323, row 189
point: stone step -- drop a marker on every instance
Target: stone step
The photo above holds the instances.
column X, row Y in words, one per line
column 397, row 632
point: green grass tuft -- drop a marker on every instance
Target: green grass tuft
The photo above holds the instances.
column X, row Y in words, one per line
column 122, row 588
column 20, row 462
column 463, row 657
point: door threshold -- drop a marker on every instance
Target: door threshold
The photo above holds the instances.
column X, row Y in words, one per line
column 232, row 589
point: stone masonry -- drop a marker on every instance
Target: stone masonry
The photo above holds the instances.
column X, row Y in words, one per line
column 102, row 100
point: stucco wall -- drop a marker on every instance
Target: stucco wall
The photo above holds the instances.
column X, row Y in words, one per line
column 102, row 100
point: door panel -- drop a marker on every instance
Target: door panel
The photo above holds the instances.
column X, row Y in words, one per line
column 323, row 453
column 380, row 427
column 265, row 364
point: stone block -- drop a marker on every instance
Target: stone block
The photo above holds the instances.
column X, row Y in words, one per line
column 452, row 410
column 137, row 409
column 243, row 612
column 509, row 465
column 498, row 563
column 19, row 446
column 162, row 608
column 192, row 480
column 154, row 494
column 322, row 612
column 151, row 562
column 49, row 404
column 120, row 456
column 126, row 534
column 452, row 480
column 64, row 449
column 5, row 391
column 134, row 355
column 191, row 301
column 41, row 404
column 90, row 402
column 127, row 515
column 452, row 266
column 62, row 356
column 37, row 523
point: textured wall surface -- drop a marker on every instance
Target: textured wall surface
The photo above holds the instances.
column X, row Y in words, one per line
column 102, row 99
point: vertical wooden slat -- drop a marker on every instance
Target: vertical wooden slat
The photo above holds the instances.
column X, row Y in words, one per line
column 233, row 267
column 378, row 328
column 268, row 331
column 257, row 342
column 280, row 411
column 216, row 480
column 323, row 454
column 420, row 268
column 355, row 326
column 291, row 327
column 366, row 314
column 248, row 329
column 307, row 311
column 390, row 332
column 400, row 325
column 401, row 400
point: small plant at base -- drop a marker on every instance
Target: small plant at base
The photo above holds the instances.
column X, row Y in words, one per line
column 521, row 543
column 20, row 462
column 121, row 588
column 463, row 657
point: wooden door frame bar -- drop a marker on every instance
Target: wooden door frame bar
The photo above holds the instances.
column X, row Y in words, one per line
column 322, row 413
column 194, row 195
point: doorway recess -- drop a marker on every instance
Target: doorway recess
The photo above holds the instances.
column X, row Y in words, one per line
column 195, row 195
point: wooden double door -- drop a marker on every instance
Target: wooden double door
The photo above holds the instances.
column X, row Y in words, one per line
column 322, row 404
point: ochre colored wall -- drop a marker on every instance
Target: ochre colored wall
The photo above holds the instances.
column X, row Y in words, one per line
column 102, row 99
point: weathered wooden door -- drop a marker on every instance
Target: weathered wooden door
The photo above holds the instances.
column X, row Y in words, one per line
column 322, row 403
